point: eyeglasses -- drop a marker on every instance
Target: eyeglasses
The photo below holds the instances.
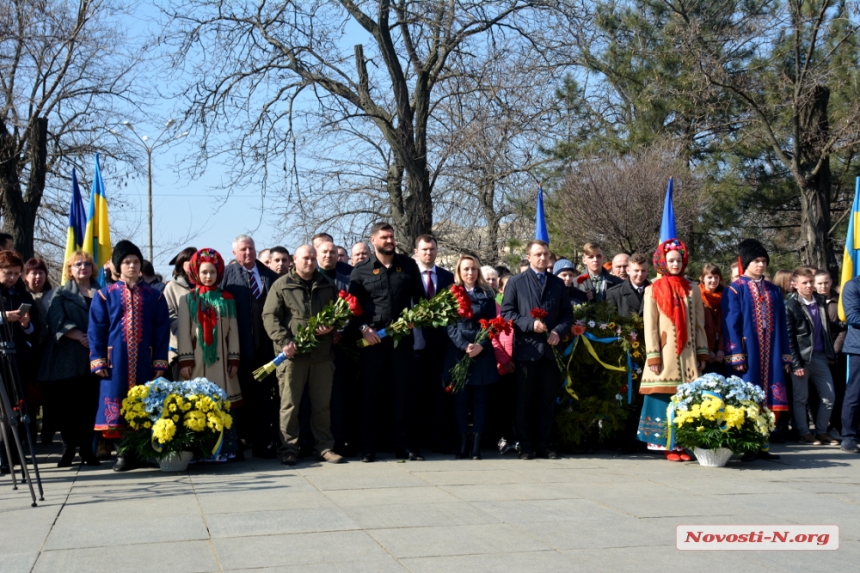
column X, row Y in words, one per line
column 82, row 264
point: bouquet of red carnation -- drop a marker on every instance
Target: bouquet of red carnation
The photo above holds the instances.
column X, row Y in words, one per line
column 441, row 310
column 489, row 329
column 540, row 314
column 335, row 314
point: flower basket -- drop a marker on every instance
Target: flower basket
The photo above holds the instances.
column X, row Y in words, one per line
column 713, row 458
column 714, row 413
column 165, row 418
column 175, row 461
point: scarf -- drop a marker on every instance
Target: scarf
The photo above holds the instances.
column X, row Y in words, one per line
column 670, row 290
column 710, row 299
column 208, row 303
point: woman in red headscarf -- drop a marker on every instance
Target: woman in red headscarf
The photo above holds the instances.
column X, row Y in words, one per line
column 675, row 342
column 208, row 335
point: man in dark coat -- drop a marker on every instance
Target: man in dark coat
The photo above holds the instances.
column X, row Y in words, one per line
column 431, row 344
column 627, row 297
column 538, row 376
column 384, row 285
column 596, row 280
column 249, row 281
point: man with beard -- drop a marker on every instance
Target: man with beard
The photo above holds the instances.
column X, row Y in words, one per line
column 385, row 284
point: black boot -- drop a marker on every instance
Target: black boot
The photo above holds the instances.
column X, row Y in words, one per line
column 88, row 456
column 476, row 446
column 67, row 457
column 464, row 447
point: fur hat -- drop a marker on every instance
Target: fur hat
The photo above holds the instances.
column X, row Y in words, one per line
column 123, row 249
column 748, row 251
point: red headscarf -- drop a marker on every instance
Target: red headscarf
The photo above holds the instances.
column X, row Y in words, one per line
column 670, row 290
column 205, row 302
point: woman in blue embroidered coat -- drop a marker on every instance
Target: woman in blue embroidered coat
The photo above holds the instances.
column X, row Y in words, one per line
column 128, row 334
column 483, row 370
column 755, row 334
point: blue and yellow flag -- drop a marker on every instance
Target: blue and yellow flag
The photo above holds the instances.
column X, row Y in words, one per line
column 77, row 222
column 851, row 258
column 97, row 236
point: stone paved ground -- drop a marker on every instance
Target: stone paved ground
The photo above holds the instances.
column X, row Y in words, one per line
column 596, row 513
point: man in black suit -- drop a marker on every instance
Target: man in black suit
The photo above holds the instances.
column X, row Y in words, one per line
column 627, row 297
column 538, row 377
column 596, row 280
column 431, row 344
column 249, row 281
column 384, row 285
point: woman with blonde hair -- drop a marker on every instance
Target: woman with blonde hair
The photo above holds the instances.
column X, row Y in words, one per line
column 483, row 371
column 65, row 371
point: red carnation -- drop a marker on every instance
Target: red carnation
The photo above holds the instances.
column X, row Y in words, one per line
column 539, row 313
column 577, row 330
column 581, row 279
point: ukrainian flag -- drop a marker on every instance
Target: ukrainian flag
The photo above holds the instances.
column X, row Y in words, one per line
column 77, row 222
column 97, row 236
column 851, row 258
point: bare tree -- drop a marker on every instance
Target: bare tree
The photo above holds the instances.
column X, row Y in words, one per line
column 617, row 200
column 64, row 71
column 256, row 64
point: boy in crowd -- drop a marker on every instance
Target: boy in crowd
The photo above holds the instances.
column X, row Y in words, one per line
column 596, row 280
column 811, row 353
column 627, row 297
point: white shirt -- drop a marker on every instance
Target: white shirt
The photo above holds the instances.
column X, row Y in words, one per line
column 420, row 343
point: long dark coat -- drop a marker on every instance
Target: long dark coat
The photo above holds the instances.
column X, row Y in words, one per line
column 65, row 358
column 463, row 332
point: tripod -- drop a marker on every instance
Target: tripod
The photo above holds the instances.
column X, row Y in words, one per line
column 13, row 409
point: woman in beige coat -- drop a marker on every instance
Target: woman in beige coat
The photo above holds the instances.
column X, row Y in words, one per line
column 208, row 334
column 675, row 343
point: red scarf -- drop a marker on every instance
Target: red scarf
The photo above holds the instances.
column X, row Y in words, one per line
column 710, row 299
column 671, row 290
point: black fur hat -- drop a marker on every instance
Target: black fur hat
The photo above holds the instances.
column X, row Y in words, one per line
column 748, row 251
column 123, row 249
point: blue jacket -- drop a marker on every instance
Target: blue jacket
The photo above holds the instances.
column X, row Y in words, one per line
column 463, row 332
column 851, row 305
column 524, row 293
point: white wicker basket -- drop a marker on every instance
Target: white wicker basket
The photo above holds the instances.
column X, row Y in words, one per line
column 713, row 458
column 175, row 462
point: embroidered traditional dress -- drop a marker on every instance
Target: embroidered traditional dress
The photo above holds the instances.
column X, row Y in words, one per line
column 208, row 334
column 128, row 332
column 755, row 335
column 675, row 338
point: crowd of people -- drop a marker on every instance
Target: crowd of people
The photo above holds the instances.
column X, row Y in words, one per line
column 82, row 345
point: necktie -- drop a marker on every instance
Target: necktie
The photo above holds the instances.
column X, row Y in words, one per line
column 430, row 288
column 542, row 278
column 255, row 287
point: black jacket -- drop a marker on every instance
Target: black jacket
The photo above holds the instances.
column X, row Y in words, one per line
column 65, row 358
column 437, row 338
column 801, row 331
column 585, row 284
column 523, row 293
column 382, row 292
column 24, row 342
column 625, row 298
column 236, row 282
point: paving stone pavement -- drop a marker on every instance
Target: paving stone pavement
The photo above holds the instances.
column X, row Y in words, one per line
column 583, row 513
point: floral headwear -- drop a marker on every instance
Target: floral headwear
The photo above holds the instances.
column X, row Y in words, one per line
column 664, row 249
column 208, row 303
column 671, row 290
column 205, row 256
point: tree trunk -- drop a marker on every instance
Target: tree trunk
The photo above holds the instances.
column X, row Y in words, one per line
column 815, row 190
column 20, row 210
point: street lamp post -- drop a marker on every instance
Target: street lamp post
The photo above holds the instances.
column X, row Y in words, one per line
column 150, row 147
